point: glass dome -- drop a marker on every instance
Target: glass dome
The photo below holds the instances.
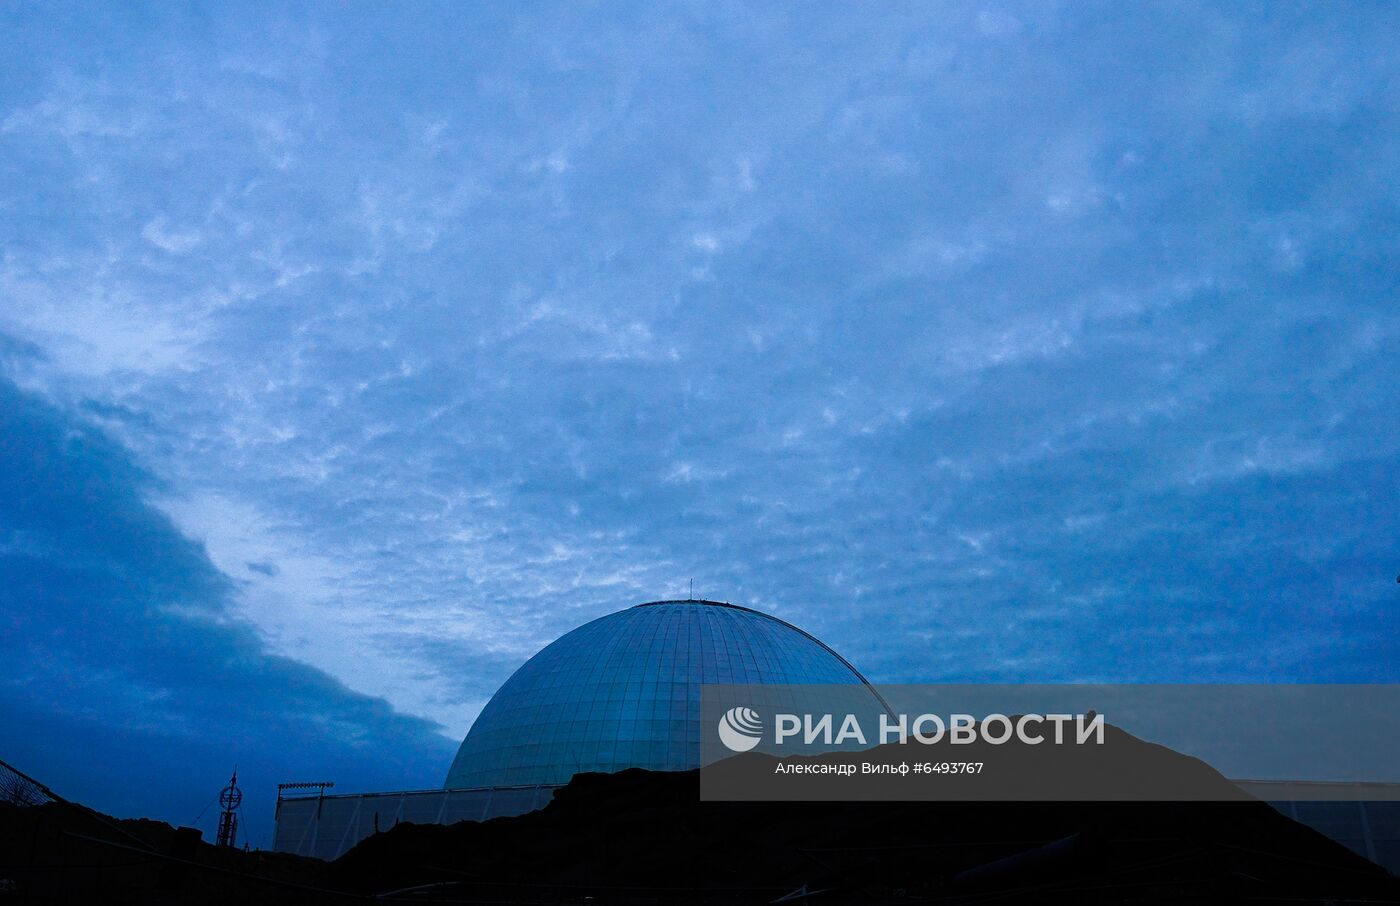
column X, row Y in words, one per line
column 624, row 691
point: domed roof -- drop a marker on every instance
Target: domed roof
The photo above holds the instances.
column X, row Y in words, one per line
column 624, row 691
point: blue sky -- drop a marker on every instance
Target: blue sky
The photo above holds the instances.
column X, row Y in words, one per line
column 351, row 353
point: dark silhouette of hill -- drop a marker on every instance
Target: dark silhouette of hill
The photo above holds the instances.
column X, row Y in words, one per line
column 644, row 837
column 640, row 837
column 60, row 853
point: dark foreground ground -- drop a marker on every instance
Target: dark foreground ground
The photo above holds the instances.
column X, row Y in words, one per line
column 641, row 837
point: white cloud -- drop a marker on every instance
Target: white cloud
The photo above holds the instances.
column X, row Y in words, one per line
column 159, row 234
column 436, row 383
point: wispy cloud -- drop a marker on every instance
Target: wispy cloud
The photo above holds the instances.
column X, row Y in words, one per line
column 120, row 632
column 1028, row 343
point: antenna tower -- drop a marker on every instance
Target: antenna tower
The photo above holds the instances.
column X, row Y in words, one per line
column 229, row 800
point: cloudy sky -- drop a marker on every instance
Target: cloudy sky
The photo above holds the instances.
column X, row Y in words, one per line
column 351, row 353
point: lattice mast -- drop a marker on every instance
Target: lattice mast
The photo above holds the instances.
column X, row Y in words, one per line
column 229, row 800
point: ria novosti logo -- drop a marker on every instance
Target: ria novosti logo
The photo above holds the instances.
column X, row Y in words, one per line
column 740, row 729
